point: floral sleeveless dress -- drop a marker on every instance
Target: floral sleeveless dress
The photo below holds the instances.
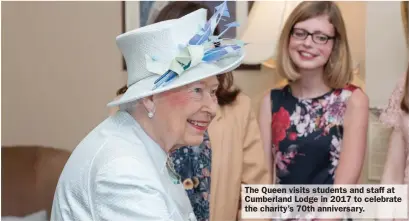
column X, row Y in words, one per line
column 193, row 164
column 307, row 135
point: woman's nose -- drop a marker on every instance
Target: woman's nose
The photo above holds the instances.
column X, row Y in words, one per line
column 213, row 108
column 210, row 106
column 308, row 41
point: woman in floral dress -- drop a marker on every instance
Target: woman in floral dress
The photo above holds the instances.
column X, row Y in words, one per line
column 193, row 164
column 315, row 127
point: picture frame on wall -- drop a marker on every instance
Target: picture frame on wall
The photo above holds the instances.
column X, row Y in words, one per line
column 136, row 14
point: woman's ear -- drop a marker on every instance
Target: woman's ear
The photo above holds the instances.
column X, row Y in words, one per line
column 149, row 105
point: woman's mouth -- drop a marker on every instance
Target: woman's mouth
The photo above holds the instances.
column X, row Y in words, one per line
column 199, row 125
column 306, row 55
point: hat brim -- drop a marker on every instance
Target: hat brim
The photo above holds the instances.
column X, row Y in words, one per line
column 143, row 88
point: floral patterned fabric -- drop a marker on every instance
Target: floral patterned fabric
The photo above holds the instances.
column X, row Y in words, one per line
column 392, row 114
column 193, row 164
column 307, row 135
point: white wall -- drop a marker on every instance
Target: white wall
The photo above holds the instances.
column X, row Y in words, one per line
column 386, row 54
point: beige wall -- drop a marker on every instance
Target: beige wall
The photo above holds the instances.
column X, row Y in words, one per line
column 354, row 16
column 60, row 66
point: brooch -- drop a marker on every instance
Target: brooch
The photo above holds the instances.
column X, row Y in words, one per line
column 171, row 170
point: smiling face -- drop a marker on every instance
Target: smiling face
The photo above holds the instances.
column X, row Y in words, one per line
column 182, row 115
column 302, row 46
column 311, row 42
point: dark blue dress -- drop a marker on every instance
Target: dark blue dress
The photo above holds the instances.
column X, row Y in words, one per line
column 193, row 164
column 307, row 135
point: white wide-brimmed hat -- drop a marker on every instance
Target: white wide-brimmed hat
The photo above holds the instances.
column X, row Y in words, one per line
column 173, row 53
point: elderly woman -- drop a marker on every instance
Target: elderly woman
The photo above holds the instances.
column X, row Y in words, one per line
column 121, row 170
column 231, row 153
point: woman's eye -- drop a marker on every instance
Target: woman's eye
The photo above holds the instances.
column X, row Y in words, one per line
column 197, row 90
column 299, row 33
column 214, row 92
column 322, row 37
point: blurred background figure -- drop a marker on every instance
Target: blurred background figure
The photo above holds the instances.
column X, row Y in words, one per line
column 396, row 116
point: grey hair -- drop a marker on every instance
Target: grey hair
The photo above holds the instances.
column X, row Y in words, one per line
column 129, row 107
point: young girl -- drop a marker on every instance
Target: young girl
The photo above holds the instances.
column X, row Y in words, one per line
column 315, row 127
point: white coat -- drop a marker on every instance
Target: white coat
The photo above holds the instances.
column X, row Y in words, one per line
column 119, row 173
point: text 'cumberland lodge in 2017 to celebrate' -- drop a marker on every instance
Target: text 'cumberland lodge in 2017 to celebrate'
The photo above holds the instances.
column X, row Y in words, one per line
column 323, row 201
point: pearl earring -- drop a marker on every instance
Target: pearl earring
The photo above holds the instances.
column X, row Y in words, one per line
column 150, row 114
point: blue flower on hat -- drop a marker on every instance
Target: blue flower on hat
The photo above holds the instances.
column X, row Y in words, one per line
column 202, row 47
